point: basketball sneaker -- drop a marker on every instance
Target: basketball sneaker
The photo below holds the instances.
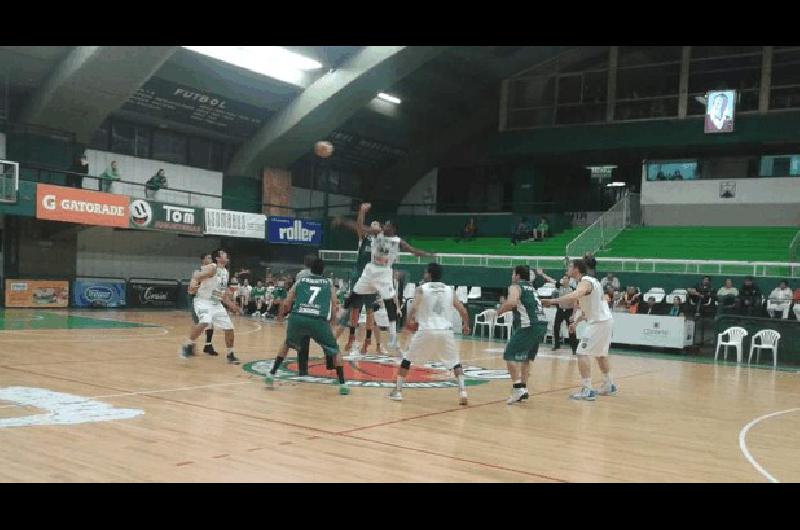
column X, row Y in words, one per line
column 586, row 394
column 344, row 389
column 607, row 390
column 209, row 349
column 462, row 397
column 396, row 395
column 517, row 395
column 187, row 350
column 232, row 359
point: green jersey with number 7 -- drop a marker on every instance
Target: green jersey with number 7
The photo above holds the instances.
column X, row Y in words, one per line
column 313, row 297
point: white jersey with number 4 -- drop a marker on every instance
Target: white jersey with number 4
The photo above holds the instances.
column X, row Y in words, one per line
column 384, row 250
column 433, row 311
column 213, row 288
column 593, row 305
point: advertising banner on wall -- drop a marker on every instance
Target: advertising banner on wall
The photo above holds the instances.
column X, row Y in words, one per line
column 235, row 224
column 294, row 231
column 37, row 293
column 152, row 293
column 151, row 215
column 98, row 293
column 58, row 203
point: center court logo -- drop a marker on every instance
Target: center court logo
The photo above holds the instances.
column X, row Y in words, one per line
column 377, row 371
column 141, row 213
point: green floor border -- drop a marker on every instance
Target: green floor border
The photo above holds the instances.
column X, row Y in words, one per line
column 671, row 357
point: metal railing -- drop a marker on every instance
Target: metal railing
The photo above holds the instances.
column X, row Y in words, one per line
column 761, row 269
column 598, row 235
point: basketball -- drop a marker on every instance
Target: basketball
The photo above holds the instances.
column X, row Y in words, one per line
column 323, row 149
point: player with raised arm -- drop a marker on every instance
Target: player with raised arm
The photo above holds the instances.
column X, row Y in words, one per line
column 596, row 338
column 434, row 339
column 530, row 326
column 313, row 305
column 210, row 302
column 377, row 276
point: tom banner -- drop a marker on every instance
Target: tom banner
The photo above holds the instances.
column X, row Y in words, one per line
column 98, row 293
column 294, row 231
column 151, row 215
column 152, row 293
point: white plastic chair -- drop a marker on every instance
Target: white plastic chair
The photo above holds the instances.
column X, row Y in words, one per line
column 656, row 292
column 461, row 293
column 778, row 306
column 409, row 290
column 485, row 319
column 736, row 336
column 474, row 293
column 683, row 294
column 545, row 291
column 768, row 340
column 507, row 324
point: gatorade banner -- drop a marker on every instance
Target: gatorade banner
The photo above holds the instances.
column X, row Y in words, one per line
column 91, row 293
column 151, row 215
column 37, row 293
column 294, row 231
column 58, row 203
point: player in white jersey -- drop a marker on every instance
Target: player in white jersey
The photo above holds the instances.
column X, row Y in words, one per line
column 434, row 339
column 205, row 259
column 209, row 304
column 377, row 276
column 596, row 337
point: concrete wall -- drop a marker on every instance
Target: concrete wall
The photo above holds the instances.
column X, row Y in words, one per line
column 106, row 252
column 423, row 192
column 139, row 170
column 755, row 201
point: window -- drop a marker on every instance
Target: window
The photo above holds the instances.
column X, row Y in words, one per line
column 711, row 69
column 780, row 166
column 671, row 170
column 169, row 147
column 785, row 90
column 123, row 138
column 200, row 152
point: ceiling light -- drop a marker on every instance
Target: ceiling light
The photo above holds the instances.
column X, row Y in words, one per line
column 272, row 61
column 615, row 184
column 388, row 97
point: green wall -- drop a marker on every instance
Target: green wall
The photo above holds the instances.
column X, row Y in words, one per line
column 26, row 201
column 778, row 127
column 241, row 194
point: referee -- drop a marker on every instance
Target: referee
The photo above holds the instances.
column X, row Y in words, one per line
column 564, row 314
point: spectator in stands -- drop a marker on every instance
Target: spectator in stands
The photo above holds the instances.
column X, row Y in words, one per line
column 610, row 297
column 677, row 309
column 677, row 175
column 469, row 232
column 108, row 176
column 522, row 232
column 630, row 300
column 543, row 230
column 781, row 297
column 727, row 295
column 81, row 167
column 701, row 294
column 155, row 183
column 650, row 307
column 610, row 280
column 244, row 293
column 796, row 304
column 750, row 299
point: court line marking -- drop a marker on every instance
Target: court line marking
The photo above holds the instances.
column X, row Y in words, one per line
column 743, row 444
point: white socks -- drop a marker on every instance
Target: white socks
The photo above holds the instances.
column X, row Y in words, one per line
column 607, row 380
column 587, row 383
column 400, row 381
column 461, row 384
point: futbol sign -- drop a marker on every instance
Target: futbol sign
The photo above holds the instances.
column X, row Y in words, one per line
column 150, row 215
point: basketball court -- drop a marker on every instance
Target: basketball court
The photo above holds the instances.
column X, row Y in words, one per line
column 102, row 396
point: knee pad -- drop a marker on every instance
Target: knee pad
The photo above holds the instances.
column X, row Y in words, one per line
column 391, row 310
column 405, row 364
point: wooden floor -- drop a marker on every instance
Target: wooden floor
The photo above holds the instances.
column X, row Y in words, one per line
column 204, row 421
